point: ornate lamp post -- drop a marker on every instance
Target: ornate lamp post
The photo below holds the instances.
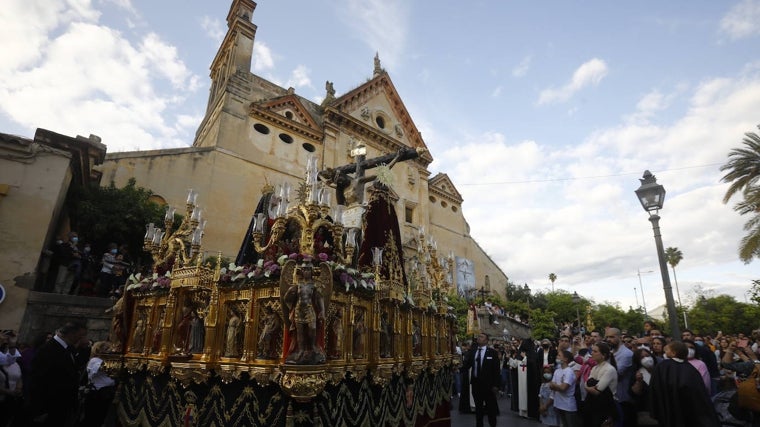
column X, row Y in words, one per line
column 576, row 301
column 652, row 196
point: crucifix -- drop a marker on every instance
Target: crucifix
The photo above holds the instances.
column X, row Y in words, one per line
column 339, row 177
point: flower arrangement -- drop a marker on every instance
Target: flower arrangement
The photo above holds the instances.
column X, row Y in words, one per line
column 349, row 278
column 154, row 282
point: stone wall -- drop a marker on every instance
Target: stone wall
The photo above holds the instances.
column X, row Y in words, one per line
column 47, row 312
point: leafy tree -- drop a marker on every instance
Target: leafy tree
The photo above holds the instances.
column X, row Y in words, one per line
column 723, row 313
column 754, row 292
column 542, row 324
column 674, row 256
column 743, row 168
column 103, row 215
column 552, row 278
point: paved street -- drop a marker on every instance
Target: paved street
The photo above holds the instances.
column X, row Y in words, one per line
column 506, row 419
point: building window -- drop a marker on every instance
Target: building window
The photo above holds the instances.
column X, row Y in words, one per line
column 261, row 128
column 432, row 199
column 289, row 115
column 308, row 147
column 380, row 122
column 284, row 137
column 409, row 214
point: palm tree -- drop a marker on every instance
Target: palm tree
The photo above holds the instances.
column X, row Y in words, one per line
column 552, row 277
column 674, row 256
column 743, row 168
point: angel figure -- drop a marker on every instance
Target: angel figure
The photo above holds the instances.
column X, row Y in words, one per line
column 304, row 300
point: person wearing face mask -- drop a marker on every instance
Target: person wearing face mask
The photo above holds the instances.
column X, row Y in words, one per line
column 107, row 279
column 698, row 364
column 563, row 385
column 677, row 392
column 70, row 268
column 547, row 415
column 707, row 357
column 624, row 363
column 643, row 365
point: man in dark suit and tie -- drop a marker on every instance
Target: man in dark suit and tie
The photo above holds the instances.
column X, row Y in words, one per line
column 483, row 363
column 55, row 376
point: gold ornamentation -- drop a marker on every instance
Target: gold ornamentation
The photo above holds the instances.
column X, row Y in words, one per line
column 188, row 373
column 303, row 384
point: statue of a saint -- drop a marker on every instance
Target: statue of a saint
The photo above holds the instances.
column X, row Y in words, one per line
column 269, row 331
column 359, row 331
column 416, row 338
column 306, row 307
column 335, row 339
column 183, row 331
column 117, row 325
column 231, row 348
column 138, row 336
column 197, row 334
column 385, row 335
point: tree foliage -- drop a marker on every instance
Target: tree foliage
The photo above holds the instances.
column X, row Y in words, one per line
column 723, row 313
column 542, row 324
column 743, row 174
column 102, row 215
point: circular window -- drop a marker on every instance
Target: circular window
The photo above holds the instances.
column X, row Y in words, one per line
column 444, row 204
column 454, row 208
column 261, row 128
column 380, row 122
column 432, row 199
column 286, row 138
column 289, row 115
column 308, row 147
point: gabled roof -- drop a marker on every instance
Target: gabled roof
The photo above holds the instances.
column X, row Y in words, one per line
column 274, row 110
column 442, row 186
column 381, row 83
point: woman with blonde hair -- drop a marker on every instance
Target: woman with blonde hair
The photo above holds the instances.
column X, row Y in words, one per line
column 102, row 387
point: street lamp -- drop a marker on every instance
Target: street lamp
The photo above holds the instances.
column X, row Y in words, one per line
column 643, row 301
column 576, row 301
column 652, row 196
column 527, row 293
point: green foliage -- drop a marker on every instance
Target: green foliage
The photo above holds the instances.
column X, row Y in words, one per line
column 102, row 215
column 460, row 308
column 542, row 324
column 609, row 315
column 743, row 176
column 723, row 313
column 754, row 292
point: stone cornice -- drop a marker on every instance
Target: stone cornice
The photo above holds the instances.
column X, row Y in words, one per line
column 256, row 111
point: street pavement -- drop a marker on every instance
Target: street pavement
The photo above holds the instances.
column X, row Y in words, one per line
column 507, row 418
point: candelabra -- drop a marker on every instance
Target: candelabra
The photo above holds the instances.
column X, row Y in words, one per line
column 182, row 246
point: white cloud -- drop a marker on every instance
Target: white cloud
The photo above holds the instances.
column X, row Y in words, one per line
column 86, row 78
column 263, row 59
column 214, row 28
column 496, row 92
column 299, row 77
column 522, row 68
column 382, row 24
column 588, row 74
column 742, row 20
column 543, row 211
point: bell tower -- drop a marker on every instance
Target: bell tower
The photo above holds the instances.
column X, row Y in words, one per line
column 232, row 64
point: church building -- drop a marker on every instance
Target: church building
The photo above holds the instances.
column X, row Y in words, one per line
column 256, row 134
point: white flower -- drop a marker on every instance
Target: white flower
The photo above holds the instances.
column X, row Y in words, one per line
column 168, row 274
column 155, row 276
column 260, row 262
column 238, row 276
column 231, row 267
column 223, row 271
column 251, row 274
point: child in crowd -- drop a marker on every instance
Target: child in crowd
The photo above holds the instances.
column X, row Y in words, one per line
column 546, row 410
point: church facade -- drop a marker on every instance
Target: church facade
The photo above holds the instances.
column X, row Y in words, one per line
column 256, row 134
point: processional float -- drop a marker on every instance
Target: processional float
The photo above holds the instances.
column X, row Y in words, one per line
column 316, row 323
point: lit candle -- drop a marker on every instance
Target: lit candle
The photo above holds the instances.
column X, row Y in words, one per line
column 190, row 199
column 150, row 230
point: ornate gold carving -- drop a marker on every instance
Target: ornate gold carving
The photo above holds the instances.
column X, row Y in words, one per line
column 188, row 373
column 303, row 384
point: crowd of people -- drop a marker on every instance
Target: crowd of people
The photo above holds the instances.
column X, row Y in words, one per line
column 78, row 268
column 612, row 378
column 55, row 381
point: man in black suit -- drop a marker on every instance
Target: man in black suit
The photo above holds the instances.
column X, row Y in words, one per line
column 483, row 363
column 56, row 373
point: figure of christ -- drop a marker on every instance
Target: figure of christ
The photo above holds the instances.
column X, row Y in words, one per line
column 138, row 337
column 306, row 309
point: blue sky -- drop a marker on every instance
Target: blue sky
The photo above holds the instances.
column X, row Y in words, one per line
column 544, row 114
